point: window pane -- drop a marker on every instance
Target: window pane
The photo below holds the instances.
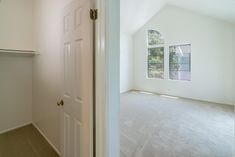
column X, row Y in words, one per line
column 180, row 75
column 156, row 62
column 179, row 67
column 180, row 62
column 154, row 38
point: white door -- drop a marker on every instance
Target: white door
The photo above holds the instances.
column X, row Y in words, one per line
column 76, row 111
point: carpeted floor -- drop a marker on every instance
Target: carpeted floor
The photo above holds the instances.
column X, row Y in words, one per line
column 156, row 126
column 25, row 142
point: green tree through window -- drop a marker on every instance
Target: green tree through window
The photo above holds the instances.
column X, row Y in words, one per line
column 156, row 62
column 155, row 55
column 155, row 38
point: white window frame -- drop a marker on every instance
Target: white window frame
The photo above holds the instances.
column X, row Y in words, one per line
column 168, row 61
column 155, row 46
column 166, row 47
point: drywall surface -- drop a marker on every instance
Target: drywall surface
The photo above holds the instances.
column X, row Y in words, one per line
column 135, row 13
column 15, row 90
column 46, row 68
column 126, row 62
column 213, row 55
column 16, row 26
column 233, row 78
column 112, row 48
column 16, row 32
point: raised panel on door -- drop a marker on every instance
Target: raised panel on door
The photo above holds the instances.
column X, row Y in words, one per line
column 78, row 71
column 77, row 137
column 67, row 73
column 66, row 135
column 78, row 18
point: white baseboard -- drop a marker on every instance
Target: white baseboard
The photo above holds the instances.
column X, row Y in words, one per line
column 181, row 97
column 126, row 91
column 52, row 145
column 16, row 127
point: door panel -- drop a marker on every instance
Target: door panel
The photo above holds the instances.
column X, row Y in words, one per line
column 77, row 137
column 78, row 70
column 77, row 80
column 66, row 134
column 67, row 70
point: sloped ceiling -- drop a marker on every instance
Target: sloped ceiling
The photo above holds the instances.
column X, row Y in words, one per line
column 222, row 9
column 136, row 13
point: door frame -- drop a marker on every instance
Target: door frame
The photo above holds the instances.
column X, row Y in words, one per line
column 107, row 78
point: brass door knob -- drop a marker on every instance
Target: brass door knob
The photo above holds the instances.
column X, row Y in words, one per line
column 61, row 103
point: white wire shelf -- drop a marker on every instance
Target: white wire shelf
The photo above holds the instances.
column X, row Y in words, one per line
column 15, row 51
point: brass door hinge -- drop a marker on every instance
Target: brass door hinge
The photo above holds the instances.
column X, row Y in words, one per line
column 93, row 14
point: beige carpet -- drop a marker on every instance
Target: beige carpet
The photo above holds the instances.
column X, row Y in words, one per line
column 25, row 142
column 155, row 126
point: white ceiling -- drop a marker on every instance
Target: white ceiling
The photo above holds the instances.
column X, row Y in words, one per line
column 223, row 9
column 136, row 13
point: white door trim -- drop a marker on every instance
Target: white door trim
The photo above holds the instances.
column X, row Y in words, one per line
column 101, row 106
column 107, row 78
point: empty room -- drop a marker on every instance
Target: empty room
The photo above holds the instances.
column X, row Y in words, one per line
column 177, row 78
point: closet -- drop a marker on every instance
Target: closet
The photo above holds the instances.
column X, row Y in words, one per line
column 30, row 66
column 35, row 76
column 16, row 63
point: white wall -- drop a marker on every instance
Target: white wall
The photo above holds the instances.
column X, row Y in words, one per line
column 135, row 13
column 46, row 68
column 126, row 62
column 15, row 70
column 233, row 86
column 15, row 90
column 16, row 30
column 213, row 55
column 112, row 71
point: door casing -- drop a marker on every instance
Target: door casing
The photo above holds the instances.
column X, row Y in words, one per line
column 107, row 78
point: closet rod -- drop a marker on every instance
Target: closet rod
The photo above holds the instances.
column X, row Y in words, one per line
column 14, row 50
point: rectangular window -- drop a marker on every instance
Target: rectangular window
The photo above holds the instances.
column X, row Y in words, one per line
column 180, row 62
column 156, row 62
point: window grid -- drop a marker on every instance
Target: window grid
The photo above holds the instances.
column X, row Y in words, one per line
column 179, row 58
column 178, row 69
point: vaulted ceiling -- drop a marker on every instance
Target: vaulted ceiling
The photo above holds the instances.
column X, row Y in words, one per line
column 136, row 13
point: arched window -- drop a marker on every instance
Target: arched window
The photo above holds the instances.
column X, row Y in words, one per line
column 155, row 54
column 155, row 38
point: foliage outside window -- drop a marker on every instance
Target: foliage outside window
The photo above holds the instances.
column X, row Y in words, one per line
column 180, row 62
column 155, row 55
column 156, row 62
column 155, row 38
